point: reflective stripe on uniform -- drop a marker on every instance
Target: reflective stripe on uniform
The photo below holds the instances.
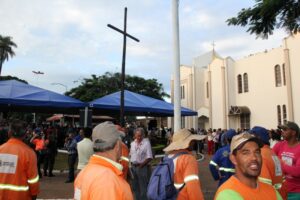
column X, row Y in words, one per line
column 213, row 163
column 124, row 158
column 178, row 185
column 186, row 179
column 13, row 187
column 265, row 180
column 277, row 186
column 226, row 169
column 191, row 178
column 33, row 180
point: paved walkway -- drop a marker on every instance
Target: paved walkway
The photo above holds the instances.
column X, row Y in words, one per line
column 56, row 188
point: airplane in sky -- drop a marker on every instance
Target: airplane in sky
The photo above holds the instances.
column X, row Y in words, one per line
column 38, row 72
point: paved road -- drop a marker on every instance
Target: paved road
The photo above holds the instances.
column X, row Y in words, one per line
column 55, row 188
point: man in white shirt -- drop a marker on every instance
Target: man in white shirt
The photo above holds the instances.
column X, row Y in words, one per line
column 85, row 148
column 140, row 156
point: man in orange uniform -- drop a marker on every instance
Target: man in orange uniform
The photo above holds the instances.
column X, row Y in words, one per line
column 186, row 167
column 124, row 160
column 102, row 176
column 271, row 172
column 246, row 156
column 18, row 167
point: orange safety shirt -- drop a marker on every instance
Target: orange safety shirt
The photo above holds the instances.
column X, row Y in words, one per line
column 18, row 171
column 271, row 172
column 233, row 189
column 186, row 177
column 125, row 160
column 101, row 179
column 39, row 144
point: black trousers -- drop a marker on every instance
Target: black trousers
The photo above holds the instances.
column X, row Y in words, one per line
column 40, row 159
column 49, row 161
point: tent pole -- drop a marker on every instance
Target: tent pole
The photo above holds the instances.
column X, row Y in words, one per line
column 85, row 116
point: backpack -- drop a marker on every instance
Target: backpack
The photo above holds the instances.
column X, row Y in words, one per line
column 161, row 184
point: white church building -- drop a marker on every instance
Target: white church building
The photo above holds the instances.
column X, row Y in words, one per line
column 260, row 89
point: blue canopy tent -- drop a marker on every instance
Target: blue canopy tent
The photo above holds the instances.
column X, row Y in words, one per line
column 136, row 104
column 18, row 96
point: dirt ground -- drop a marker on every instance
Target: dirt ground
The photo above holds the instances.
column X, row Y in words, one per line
column 56, row 188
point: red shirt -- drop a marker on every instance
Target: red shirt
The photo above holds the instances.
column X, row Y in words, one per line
column 290, row 157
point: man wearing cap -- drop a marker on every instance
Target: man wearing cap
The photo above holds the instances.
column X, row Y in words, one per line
column 18, row 166
column 220, row 165
column 246, row 156
column 102, row 176
column 271, row 172
column 289, row 153
column 186, row 167
column 140, row 156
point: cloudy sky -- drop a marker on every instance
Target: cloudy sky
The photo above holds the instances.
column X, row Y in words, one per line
column 69, row 39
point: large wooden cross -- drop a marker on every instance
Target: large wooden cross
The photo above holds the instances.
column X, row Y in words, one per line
column 125, row 35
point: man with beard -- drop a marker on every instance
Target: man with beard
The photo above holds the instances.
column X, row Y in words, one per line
column 246, row 156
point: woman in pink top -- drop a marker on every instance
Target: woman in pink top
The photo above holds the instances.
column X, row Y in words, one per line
column 289, row 153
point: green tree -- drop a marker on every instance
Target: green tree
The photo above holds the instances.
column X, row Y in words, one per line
column 6, row 78
column 266, row 15
column 99, row 86
column 6, row 49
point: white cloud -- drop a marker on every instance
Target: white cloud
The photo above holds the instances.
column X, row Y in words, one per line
column 70, row 39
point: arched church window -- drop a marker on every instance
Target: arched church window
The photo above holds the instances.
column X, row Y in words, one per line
column 239, row 81
column 246, row 87
column 277, row 76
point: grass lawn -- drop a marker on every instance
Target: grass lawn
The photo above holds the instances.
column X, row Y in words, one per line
column 61, row 162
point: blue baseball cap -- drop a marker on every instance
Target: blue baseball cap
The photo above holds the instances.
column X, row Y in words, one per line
column 261, row 133
column 230, row 134
column 37, row 130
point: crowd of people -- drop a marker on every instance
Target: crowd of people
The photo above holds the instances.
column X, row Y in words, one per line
column 114, row 162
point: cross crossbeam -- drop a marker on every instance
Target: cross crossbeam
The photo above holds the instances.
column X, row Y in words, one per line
column 125, row 35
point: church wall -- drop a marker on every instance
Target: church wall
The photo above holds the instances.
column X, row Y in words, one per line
column 263, row 96
column 293, row 44
column 217, row 94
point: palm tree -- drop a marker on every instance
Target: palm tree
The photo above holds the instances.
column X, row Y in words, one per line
column 6, row 49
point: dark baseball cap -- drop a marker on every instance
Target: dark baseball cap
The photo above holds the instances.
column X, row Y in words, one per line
column 290, row 125
column 261, row 133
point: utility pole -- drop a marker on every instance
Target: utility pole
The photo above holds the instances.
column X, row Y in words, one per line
column 176, row 68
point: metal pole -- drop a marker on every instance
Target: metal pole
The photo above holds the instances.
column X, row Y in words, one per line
column 176, row 69
column 86, row 110
column 123, row 71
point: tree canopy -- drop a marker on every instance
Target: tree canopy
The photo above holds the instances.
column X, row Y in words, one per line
column 6, row 49
column 266, row 15
column 99, row 86
column 6, row 78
